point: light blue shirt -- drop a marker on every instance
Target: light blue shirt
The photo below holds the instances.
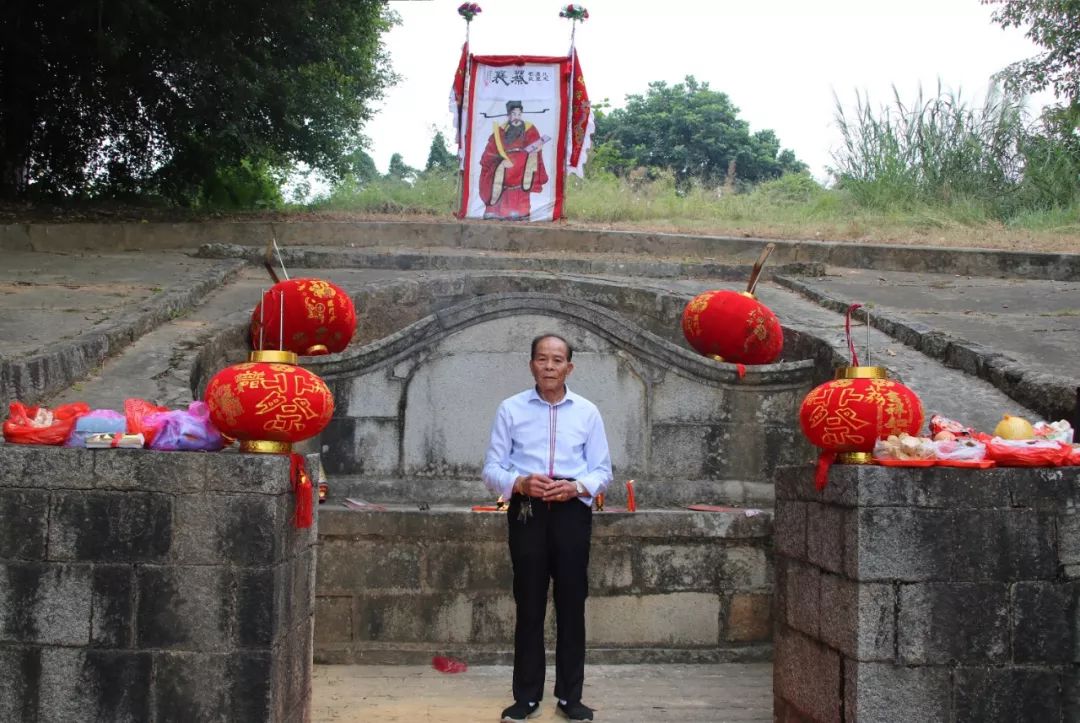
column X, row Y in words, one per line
column 566, row 439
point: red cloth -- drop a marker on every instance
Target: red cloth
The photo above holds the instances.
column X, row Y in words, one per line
column 580, row 110
column 513, row 202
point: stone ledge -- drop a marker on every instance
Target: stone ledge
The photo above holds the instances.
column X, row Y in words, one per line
column 487, row 235
column 34, row 377
column 1049, row 396
column 446, row 523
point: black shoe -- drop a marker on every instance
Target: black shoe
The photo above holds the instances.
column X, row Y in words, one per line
column 521, row 711
column 575, row 711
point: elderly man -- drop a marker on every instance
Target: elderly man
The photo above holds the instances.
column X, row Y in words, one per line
column 549, row 455
column 512, row 167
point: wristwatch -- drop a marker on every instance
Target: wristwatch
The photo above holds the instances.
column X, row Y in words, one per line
column 580, row 488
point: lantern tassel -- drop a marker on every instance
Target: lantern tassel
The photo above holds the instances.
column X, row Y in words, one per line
column 302, row 489
column 821, row 474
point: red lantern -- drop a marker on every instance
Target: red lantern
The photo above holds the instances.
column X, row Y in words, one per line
column 304, row 316
column 845, row 417
column 733, row 326
column 269, row 403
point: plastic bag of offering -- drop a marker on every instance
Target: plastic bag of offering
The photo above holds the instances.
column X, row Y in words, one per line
column 1028, row 452
column 948, row 428
column 184, row 431
column 904, row 447
column 97, row 421
column 136, row 411
column 959, row 450
column 40, row 425
column 1060, row 431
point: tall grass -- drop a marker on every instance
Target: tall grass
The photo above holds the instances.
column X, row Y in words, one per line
column 944, row 152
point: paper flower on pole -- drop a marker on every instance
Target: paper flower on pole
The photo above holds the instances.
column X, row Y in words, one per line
column 574, row 12
column 468, row 11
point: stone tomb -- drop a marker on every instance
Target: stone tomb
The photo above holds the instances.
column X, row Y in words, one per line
column 414, row 410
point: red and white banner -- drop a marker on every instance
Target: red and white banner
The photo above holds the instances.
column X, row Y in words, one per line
column 515, row 138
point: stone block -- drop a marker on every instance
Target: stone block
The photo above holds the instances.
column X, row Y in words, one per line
column 355, row 567
column 234, row 529
column 687, row 450
column 189, row 687
column 378, row 451
column 338, row 449
column 493, row 619
column 110, row 526
column 745, row 568
column 611, row 565
column 896, row 543
column 749, row 618
column 955, row 489
column 413, row 617
column 134, row 469
column 50, row 467
column 677, row 619
column 479, row 566
column 1043, row 488
column 184, row 608
column 1070, row 693
column 333, row 619
column 829, row 530
column 377, row 394
column 806, row 674
column 935, row 624
column 1007, row 694
column 112, row 606
column 1009, row 544
column 20, row 682
column 677, row 568
column 883, row 693
column 234, row 471
column 676, row 399
column 1046, row 622
column 45, row 604
column 27, row 539
column 858, row 618
column 247, row 680
column 790, row 524
column 252, row 613
column 802, row 593
column 1068, row 530
column 94, row 685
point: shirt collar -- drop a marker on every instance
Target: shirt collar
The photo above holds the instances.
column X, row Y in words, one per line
column 534, row 396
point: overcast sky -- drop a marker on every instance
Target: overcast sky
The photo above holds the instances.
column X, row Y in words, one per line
column 780, row 61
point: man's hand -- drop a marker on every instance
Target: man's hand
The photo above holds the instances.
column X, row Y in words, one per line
column 560, row 491
column 507, row 163
column 534, row 485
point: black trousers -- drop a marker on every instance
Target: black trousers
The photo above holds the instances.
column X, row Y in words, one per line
column 552, row 544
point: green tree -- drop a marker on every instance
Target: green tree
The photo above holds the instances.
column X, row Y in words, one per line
column 1055, row 26
column 159, row 96
column 360, row 166
column 439, row 157
column 692, row 131
column 399, row 170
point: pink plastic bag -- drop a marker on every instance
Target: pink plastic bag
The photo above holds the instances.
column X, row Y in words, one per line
column 184, row 431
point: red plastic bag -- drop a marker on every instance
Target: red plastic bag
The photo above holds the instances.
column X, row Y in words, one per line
column 136, row 411
column 23, row 425
column 448, row 665
column 1028, row 453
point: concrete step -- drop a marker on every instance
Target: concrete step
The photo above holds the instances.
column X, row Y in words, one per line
column 634, row 693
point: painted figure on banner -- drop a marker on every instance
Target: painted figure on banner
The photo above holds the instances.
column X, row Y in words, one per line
column 512, row 167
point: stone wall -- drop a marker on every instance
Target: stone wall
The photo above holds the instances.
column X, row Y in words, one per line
column 928, row 594
column 144, row 586
column 400, row 586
